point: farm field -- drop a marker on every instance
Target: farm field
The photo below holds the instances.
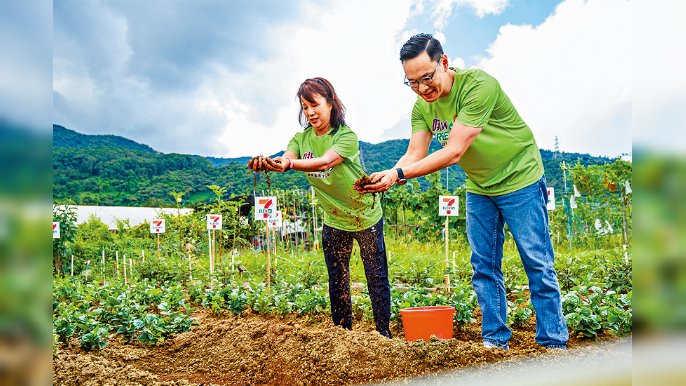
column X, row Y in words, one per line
column 254, row 349
column 163, row 328
column 240, row 305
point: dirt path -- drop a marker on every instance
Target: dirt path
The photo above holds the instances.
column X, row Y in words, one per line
column 255, row 349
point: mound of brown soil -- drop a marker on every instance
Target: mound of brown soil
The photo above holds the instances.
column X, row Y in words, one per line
column 255, row 349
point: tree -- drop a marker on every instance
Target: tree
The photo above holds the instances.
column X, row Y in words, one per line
column 178, row 197
column 65, row 214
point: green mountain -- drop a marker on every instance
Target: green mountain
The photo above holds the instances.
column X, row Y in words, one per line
column 66, row 138
column 113, row 170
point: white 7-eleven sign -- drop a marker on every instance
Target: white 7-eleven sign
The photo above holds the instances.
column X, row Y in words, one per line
column 448, row 205
column 265, row 208
column 214, row 221
column 157, row 226
column 276, row 221
column 55, row 230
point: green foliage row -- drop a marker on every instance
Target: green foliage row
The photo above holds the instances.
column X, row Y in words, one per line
column 153, row 308
column 91, row 314
column 590, row 310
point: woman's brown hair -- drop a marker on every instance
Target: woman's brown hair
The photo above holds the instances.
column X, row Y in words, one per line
column 311, row 87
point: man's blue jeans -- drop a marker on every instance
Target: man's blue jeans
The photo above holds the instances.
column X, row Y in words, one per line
column 526, row 215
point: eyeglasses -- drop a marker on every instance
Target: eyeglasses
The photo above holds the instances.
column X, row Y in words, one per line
column 425, row 80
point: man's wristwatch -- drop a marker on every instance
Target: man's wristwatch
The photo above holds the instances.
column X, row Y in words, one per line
column 401, row 177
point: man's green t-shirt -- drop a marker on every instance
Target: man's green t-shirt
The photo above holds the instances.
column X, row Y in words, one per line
column 504, row 157
column 344, row 208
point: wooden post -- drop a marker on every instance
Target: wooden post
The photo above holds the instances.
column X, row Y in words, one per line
column 214, row 250
column 625, row 233
column 143, row 255
column 102, row 268
column 315, row 241
column 209, row 250
column 190, row 269
column 72, row 265
column 158, row 246
column 178, row 215
column 125, row 281
column 447, row 262
column 235, row 225
column 269, row 260
column 295, row 216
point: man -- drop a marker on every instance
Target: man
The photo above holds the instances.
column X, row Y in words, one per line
column 480, row 130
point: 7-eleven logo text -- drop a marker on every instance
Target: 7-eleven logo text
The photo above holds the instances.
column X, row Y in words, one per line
column 214, row 221
column 157, row 226
column 448, row 205
column 265, row 208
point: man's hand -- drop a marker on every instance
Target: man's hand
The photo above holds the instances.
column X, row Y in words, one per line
column 381, row 181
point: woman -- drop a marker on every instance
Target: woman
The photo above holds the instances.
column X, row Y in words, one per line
column 328, row 151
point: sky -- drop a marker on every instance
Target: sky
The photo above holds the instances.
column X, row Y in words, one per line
column 218, row 78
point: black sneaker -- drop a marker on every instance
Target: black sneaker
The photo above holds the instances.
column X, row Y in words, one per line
column 386, row 333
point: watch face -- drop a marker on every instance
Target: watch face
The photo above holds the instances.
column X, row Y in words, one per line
column 401, row 176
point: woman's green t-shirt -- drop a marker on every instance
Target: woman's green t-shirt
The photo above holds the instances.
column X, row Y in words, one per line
column 344, row 208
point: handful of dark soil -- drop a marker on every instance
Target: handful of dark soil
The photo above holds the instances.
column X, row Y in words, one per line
column 362, row 183
column 263, row 164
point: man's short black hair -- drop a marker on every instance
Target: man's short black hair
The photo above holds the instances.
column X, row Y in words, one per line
column 420, row 43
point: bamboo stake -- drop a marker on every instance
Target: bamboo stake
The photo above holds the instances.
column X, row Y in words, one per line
column 125, row 281
column 116, row 254
column 447, row 262
column 72, row 265
column 190, row 268
column 295, row 216
column 269, row 258
column 102, row 268
column 235, row 225
column 209, row 251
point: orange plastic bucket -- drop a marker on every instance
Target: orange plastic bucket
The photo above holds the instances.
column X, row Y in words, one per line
column 423, row 322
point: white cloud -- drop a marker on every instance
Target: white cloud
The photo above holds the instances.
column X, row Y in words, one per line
column 361, row 64
column 443, row 9
column 659, row 115
column 457, row 62
column 26, row 67
column 571, row 75
column 227, row 109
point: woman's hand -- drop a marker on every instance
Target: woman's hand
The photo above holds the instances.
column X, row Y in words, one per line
column 278, row 164
column 258, row 164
